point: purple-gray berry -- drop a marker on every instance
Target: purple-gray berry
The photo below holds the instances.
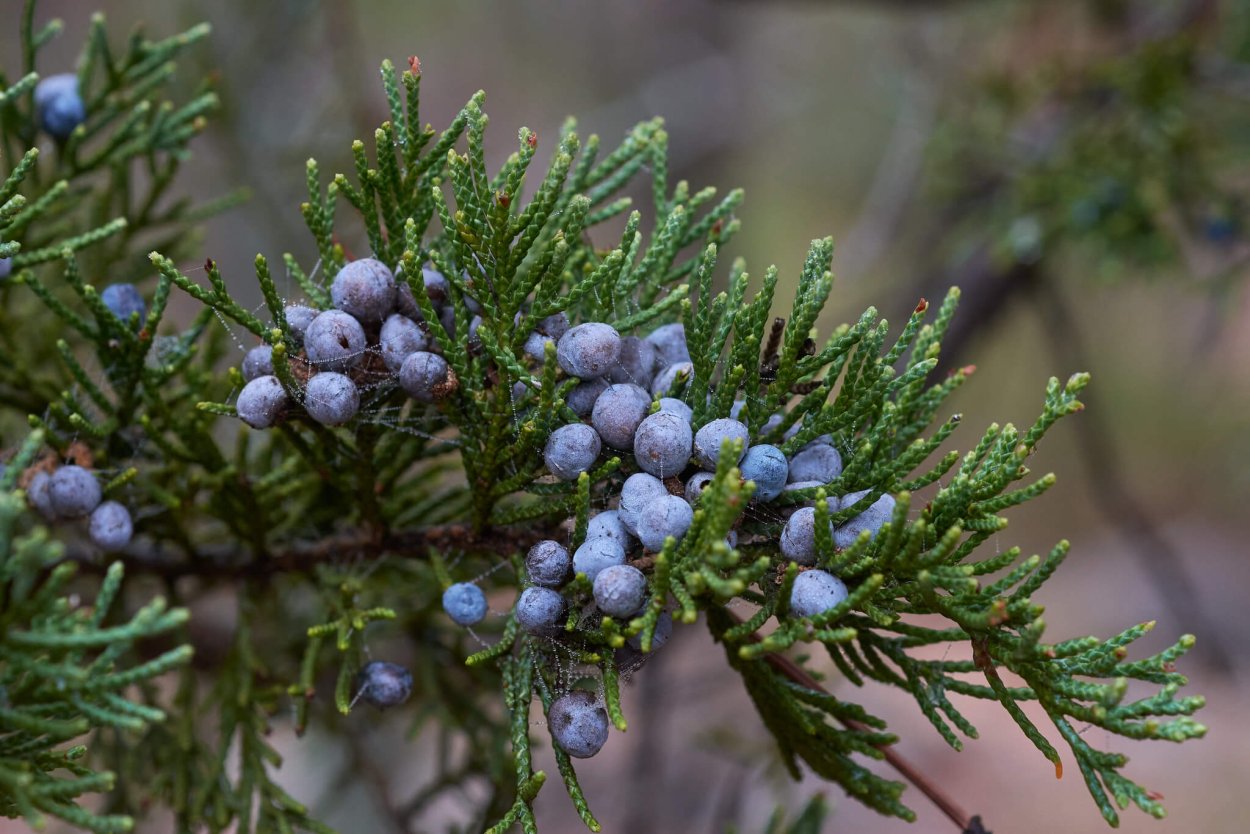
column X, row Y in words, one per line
column 815, row 592
column 871, row 519
column 663, row 631
column 617, row 413
column 695, row 486
column 400, row 338
column 331, row 398
column 536, row 346
column 670, row 344
column 261, row 402
column 638, row 490
column 766, row 465
column 335, row 341
column 465, row 603
column 539, row 609
column 589, row 350
column 6, row 268
column 708, row 440
column 58, row 105
column 636, row 362
column 578, row 724
column 798, row 537
column 123, row 301
column 820, row 462
column 365, row 289
column 676, row 406
column 584, row 395
column 39, row 497
column 74, row 492
column 608, row 525
column 258, row 362
column 426, row 377
column 664, row 517
column 298, row 319
column 554, row 326
column 383, row 684
column 672, row 380
column 548, row 563
column 571, row 450
column 436, row 286
column 619, row 590
column 662, row 444
column 596, row 554
column 110, row 526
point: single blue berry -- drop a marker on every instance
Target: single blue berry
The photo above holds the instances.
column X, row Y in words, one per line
column 767, row 466
column 635, row 364
column 815, row 592
column 261, row 402
column 695, row 486
column 258, row 362
column 620, row 590
column 298, row 318
column 708, row 440
column 538, row 609
column 579, row 725
column 110, row 526
column 58, row 104
column 331, row 398
column 426, row 377
column 798, row 537
column 663, row 517
column 465, row 603
column 617, row 413
column 123, row 301
column 554, row 326
column 589, row 350
column 584, row 395
column 663, row 631
column 819, row 462
column 596, row 554
column 6, row 268
column 437, row 287
column 676, row 406
column 571, row 450
column 400, row 338
column 383, row 684
column 38, row 495
column 364, row 289
column 670, row 344
column 74, row 492
column 548, row 563
column 662, row 444
column 639, row 490
column 871, row 519
column 536, row 346
column 671, row 381
column 335, row 341
column 608, row 525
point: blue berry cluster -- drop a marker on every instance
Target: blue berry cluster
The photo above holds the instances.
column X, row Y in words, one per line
column 72, row 493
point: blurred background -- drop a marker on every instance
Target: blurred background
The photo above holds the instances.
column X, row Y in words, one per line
column 1075, row 166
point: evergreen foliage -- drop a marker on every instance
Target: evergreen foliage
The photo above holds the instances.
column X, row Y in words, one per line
column 335, row 538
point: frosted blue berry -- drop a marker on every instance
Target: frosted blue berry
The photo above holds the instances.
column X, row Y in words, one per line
column 662, row 444
column 791, row 487
column 639, row 490
column 548, row 563
column 59, row 106
column 383, row 684
column 110, row 526
column 364, row 289
column 608, row 525
column 617, row 413
column 6, row 268
column 584, row 395
column 400, row 338
column 672, row 380
column 571, row 450
column 815, row 592
column 871, row 519
column 589, row 350
column 39, row 497
column 426, row 377
column 298, row 318
column 258, row 362
column 767, row 466
column 536, row 346
column 437, row 286
column 465, row 603
column 596, row 554
column 261, row 402
column 554, row 326
column 669, row 342
column 636, row 362
column 335, row 341
column 538, row 609
column 676, row 406
column 820, row 462
column 663, row 517
column 123, row 301
column 798, row 537
column 695, row 486
column 331, row 398
column 74, row 492
column 620, row 590
column 663, row 631
column 708, row 440
column 578, row 724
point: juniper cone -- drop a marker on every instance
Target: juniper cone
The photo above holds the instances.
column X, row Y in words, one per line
column 426, row 377
column 261, row 402
column 331, row 398
column 672, row 380
column 539, row 609
column 548, row 564
column 618, row 412
column 596, row 554
column 536, row 345
column 436, row 286
column 6, row 268
column 364, row 289
column 669, row 341
column 665, row 516
column 124, row 301
column 638, row 490
column 584, row 395
column 820, row 462
column 571, row 450
column 608, row 525
column 465, row 603
column 676, row 406
column 59, row 105
column 663, row 631
column 110, row 526
column 400, row 338
column 299, row 318
column 589, row 350
column 635, row 364
column 258, row 362
column 662, row 444
column 73, row 491
column 335, row 341
column 871, row 519
column 554, row 326
column 708, row 440
column 695, row 486
column 767, row 467
column 383, row 684
column 619, row 590
column 798, row 537
column 39, row 497
column 578, row 724
column 815, row 592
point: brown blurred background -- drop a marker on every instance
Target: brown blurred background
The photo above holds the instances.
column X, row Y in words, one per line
column 825, row 112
